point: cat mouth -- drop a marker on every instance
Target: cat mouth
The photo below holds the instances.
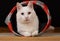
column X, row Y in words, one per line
column 27, row 21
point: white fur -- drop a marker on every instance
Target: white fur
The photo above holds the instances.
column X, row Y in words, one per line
column 30, row 27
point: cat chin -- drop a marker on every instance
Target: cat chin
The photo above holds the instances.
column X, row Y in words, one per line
column 26, row 22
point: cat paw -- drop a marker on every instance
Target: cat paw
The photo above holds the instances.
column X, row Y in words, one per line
column 35, row 33
column 26, row 34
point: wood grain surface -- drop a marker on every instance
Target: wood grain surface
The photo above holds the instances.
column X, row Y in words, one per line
column 15, row 38
column 5, row 35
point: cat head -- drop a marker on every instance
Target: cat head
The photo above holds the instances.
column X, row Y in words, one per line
column 25, row 13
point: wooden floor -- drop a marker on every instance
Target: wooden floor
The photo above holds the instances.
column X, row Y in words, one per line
column 5, row 35
column 44, row 37
column 15, row 38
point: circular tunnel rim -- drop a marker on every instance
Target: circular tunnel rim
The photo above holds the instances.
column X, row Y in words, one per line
column 43, row 6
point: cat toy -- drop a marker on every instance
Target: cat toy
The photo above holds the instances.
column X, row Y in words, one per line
column 43, row 6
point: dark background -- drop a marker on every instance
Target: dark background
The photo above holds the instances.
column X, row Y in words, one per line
column 53, row 5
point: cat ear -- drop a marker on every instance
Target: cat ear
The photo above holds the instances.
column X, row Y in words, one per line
column 30, row 4
column 19, row 6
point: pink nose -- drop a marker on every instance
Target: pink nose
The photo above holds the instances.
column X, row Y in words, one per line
column 26, row 18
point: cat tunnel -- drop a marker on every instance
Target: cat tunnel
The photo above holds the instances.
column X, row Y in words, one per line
column 41, row 4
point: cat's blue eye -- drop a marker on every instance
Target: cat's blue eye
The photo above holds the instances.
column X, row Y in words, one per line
column 29, row 12
column 22, row 13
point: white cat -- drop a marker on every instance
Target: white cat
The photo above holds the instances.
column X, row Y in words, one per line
column 27, row 20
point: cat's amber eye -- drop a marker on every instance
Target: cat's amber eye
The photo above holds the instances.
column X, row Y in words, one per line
column 29, row 12
column 22, row 13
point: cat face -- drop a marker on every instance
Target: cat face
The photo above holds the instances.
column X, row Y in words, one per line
column 25, row 14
